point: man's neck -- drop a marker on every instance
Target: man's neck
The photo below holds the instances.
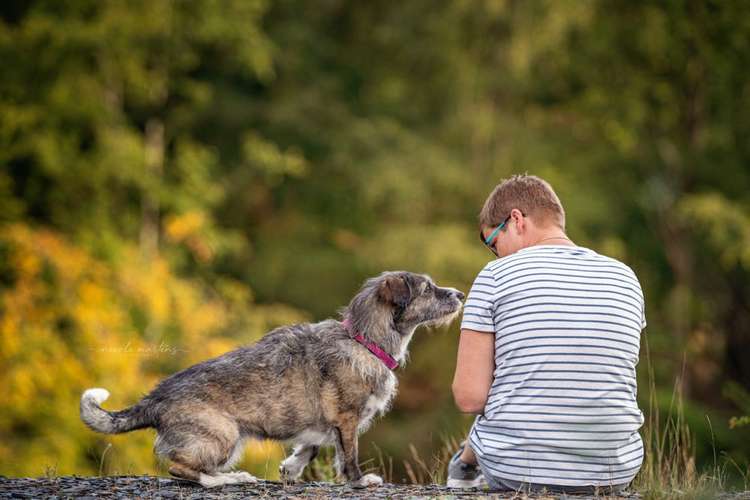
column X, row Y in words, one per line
column 556, row 237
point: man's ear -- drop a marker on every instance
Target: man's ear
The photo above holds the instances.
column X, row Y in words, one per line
column 520, row 221
column 395, row 290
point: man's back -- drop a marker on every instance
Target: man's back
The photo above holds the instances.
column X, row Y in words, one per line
column 562, row 408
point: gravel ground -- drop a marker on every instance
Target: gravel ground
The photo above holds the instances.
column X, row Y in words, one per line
column 148, row 487
column 158, row 487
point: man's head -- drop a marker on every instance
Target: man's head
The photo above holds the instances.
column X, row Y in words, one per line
column 526, row 210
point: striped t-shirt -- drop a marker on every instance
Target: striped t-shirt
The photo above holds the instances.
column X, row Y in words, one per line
column 562, row 408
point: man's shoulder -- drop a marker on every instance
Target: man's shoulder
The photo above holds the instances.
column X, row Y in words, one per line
column 619, row 264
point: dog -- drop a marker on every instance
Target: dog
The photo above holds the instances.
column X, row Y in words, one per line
column 310, row 384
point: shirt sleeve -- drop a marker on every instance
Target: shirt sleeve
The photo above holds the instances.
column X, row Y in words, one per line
column 643, row 300
column 479, row 310
column 640, row 296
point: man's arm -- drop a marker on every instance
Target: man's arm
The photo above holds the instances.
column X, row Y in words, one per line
column 474, row 370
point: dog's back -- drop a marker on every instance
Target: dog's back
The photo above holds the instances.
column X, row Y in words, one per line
column 296, row 365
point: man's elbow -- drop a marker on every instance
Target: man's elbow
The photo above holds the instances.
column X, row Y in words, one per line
column 468, row 401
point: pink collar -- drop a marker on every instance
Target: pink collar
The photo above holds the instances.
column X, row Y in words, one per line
column 374, row 348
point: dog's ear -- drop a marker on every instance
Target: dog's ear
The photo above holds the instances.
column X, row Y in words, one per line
column 396, row 290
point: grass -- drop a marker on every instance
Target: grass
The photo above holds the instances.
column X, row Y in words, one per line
column 433, row 470
column 669, row 468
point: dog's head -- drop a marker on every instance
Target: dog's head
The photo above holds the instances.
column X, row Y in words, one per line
column 391, row 306
column 414, row 299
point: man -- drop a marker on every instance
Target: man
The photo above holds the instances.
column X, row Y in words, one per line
column 547, row 355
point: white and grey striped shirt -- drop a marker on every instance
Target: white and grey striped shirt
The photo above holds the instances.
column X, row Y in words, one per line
column 562, row 408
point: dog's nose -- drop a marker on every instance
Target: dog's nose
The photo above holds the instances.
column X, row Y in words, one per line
column 460, row 295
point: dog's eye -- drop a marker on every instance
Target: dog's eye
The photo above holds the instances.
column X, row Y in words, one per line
column 428, row 288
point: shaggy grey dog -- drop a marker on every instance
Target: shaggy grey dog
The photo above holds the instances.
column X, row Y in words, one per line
column 308, row 384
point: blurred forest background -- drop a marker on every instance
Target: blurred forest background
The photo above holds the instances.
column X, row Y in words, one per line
column 178, row 177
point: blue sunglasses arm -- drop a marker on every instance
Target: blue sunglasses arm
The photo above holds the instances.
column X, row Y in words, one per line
column 492, row 235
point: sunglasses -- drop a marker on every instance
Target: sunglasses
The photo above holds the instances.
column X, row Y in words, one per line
column 489, row 242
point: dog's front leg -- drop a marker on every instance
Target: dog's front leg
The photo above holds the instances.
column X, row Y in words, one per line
column 347, row 456
column 291, row 468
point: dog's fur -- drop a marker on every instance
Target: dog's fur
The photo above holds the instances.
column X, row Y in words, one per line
column 308, row 384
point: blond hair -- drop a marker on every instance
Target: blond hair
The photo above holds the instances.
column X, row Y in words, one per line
column 533, row 196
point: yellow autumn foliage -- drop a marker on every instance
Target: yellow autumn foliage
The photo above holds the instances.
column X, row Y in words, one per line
column 69, row 321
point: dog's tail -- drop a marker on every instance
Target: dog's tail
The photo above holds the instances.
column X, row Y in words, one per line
column 112, row 422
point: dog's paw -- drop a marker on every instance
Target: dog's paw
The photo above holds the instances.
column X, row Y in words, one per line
column 367, row 480
column 291, row 468
column 222, row 478
column 241, row 477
